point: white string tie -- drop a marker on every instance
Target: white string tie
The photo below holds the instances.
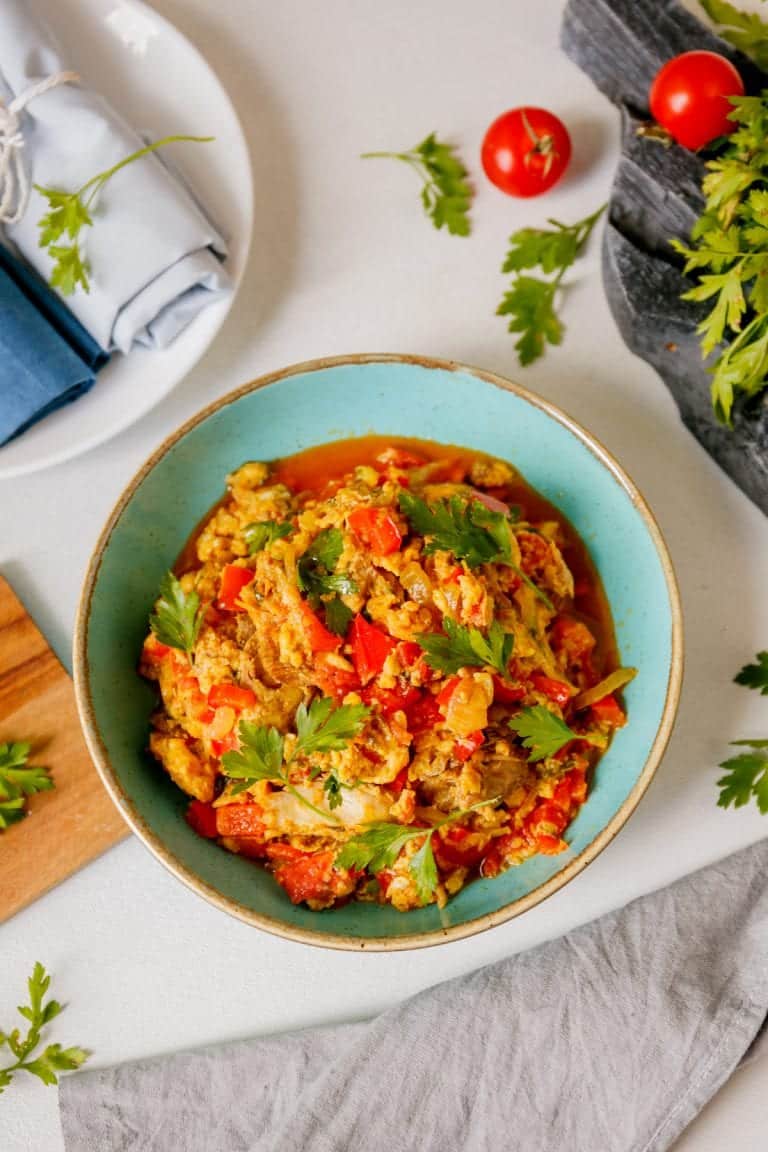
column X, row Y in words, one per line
column 14, row 181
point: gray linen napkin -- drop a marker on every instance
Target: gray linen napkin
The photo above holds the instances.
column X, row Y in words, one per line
column 610, row 1039
column 153, row 254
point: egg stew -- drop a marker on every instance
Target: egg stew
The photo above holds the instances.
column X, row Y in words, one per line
column 385, row 667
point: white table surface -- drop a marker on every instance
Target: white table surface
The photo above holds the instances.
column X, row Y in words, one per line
column 343, row 261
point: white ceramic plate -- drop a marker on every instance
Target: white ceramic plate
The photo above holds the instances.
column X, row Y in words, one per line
column 162, row 85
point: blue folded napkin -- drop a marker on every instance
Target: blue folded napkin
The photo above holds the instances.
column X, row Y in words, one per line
column 47, row 359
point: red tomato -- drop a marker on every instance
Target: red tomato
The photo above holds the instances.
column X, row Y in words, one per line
column 230, row 743
column 202, row 818
column 307, row 879
column 231, row 695
column 499, row 847
column 607, row 711
column 555, row 690
column 546, row 818
column 233, row 579
column 550, row 845
column 370, row 647
column 423, row 715
column 285, row 853
column 504, row 693
column 445, row 693
column 689, row 97
column 453, row 851
column 336, row 682
column 526, row 151
column 391, row 700
column 153, row 651
column 399, row 781
column 467, row 745
column 408, row 652
column 377, row 528
column 320, row 639
column 240, row 820
column 572, row 638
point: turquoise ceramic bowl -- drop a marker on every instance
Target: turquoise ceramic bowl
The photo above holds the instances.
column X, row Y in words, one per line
column 327, row 400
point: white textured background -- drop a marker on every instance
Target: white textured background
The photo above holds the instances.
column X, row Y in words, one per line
column 343, row 261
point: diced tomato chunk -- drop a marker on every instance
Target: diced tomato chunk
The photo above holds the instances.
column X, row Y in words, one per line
column 233, row 579
column 571, row 789
column 423, row 715
column 228, row 743
column 455, row 848
column 550, row 845
column 320, row 639
column 499, row 848
column 391, row 700
column 307, row 879
column 232, row 696
column 409, row 652
column 555, row 690
column 153, row 651
column 399, row 782
column 455, row 575
column 608, row 711
column 240, row 820
column 202, row 819
column 285, row 853
column 445, row 693
column 385, row 878
column 251, row 846
column 376, row 527
column 336, row 682
column 505, row 693
column 370, row 647
column 572, row 639
column 468, row 745
column 546, row 818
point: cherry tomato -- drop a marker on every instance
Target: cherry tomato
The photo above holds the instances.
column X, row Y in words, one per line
column 526, row 151
column 689, row 97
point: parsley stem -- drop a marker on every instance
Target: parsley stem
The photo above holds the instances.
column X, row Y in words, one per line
column 406, row 157
column 308, row 803
column 101, row 179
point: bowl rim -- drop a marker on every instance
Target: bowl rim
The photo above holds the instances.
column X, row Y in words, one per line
column 416, row 939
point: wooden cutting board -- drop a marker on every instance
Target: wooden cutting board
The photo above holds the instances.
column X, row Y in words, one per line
column 76, row 821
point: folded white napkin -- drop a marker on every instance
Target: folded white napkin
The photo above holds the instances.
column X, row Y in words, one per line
column 154, row 256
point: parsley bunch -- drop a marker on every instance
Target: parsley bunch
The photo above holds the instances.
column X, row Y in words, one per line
column 530, row 301
column 321, row 728
column 317, row 576
column 53, row 1059
column 746, row 775
column 462, row 647
column 17, row 781
column 445, row 193
column 70, row 212
column 178, row 617
column 260, row 536
column 728, row 253
column 378, row 847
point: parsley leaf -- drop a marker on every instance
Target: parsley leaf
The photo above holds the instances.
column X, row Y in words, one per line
column 17, row 781
column 728, row 255
column 260, row 756
column 446, row 193
column 530, row 301
column 316, row 575
column 755, row 675
column 378, row 847
column 469, row 530
column 260, row 536
column 463, row 647
column 746, row 777
column 745, row 30
column 324, row 728
column 178, row 616
column 69, row 212
column 53, row 1059
column 542, row 731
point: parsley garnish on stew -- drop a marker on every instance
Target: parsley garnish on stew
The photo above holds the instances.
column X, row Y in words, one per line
column 316, row 575
column 463, row 647
column 468, row 529
column 260, row 536
column 542, row 731
column 178, row 617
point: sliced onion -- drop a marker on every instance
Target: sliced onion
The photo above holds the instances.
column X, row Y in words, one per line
column 490, row 502
column 611, row 683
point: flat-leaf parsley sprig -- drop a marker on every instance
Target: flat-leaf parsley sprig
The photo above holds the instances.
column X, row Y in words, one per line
column 18, row 781
column 446, row 193
column 530, row 301
column 747, row 31
column 70, row 212
column 316, row 575
column 319, row 728
column 53, row 1059
column 463, row 647
column 542, row 732
column 746, row 775
column 378, row 847
column 178, row 617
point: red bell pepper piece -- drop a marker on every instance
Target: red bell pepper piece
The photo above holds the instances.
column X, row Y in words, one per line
column 499, row 847
column 233, row 579
column 154, row 652
column 467, row 745
column 445, row 693
column 231, row 695
column 370, row 647
column 550, row 845
column 504, row 693
column 240, row 820
column 608, row 711
column 391, row 700
column 409, row 652
column 230, row 743
column 336, row 682
column 202, row 819
column 423, row 715
column 320, row 639
column 546, row 819
column 308, row 878
column 400, row 781
column 573, row 638
column 284, row 853
column 377, row 528
column 555, row 690
column 453, row 850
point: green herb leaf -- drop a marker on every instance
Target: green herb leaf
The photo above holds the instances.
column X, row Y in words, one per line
column 324, row 728
column 337, row 616
column 469, row 530
column 332, row 787
column 17, row 781
column 178, row 616
column 446, row 193
column 260, row 756
column 424, row 869
column 260, row 536
column 53, row 1059
column 530, row 301
column 316, row 575
column 542, row 731
column 755, row 675
column 69, row 269
column 746, row 777
column 745, row 30
column 463, row 647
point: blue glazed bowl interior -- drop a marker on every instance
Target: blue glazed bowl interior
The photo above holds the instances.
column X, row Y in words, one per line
column 295, row 412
